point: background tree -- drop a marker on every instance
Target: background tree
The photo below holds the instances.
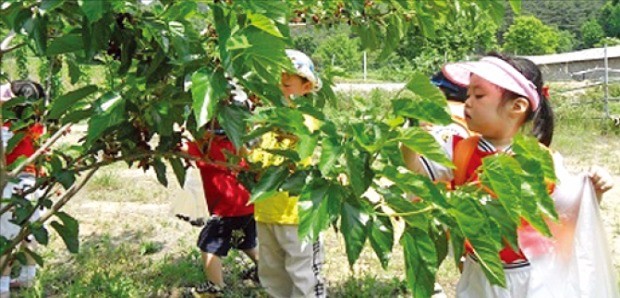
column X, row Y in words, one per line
column 529, row 36
column 340, row 49
column 566, row 41
column 574, row 14
column 609, row 18
column 591, row 33
column 167, row 64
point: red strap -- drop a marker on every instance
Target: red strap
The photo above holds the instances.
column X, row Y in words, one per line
column 463, row 151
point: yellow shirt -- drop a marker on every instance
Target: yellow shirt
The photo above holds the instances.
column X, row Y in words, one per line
column 280, row 208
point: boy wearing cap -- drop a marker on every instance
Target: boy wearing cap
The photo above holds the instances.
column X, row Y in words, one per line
column 287, row 267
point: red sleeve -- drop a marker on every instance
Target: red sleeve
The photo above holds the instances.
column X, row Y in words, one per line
column 193, row 149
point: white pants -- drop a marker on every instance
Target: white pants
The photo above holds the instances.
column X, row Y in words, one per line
column 26, row 181
column 474, row 284
column 287, row 268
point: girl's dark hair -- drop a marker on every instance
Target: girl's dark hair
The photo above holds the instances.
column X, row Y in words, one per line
column 543, row 122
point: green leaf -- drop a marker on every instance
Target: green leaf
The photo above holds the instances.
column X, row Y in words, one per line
column 330, row 153
column 415, row 184
column 208, row 88
column 233, row 119
column 269, row 183
column 354, row 224
column 498, row 213
column 423, row 109
column 307, row 144
column 440, row 239
column 531, row 213
column 382, row 239
column 66, row 178
column 274, row 10
column 264, row 23
column 238, row 42
column 484, row 236
column 358, row 169
column 110, row 111
column 420, row 262
column 68, row 231
column 295, row 183
column 74, row 70
column 313, row 216
column 40, row 233
column 503, row 175
column 420, row 141
column 49, row 5
column 394, row 33
column 64, row 103
column 422, row 87
column 93, row 10
column 179, row 170
column 160, row 170
column 515, row 5
column 497, row 10
column 36, row 257
column 65, row 44
column 39, row 33
column 400, row 204
column 287, row 153
column 533, row 157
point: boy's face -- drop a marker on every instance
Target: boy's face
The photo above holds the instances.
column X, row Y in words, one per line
column 293, row 84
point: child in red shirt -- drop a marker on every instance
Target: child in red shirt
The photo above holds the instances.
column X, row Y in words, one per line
column 231, row 224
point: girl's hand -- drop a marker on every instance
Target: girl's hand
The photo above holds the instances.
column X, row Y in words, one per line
column 601, row 179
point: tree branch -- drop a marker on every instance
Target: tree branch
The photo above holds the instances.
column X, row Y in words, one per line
column 25, row 231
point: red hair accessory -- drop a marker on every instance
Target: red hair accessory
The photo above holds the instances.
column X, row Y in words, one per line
column 545, row 91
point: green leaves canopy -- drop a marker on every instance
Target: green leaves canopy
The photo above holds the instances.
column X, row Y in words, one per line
column 170, row 64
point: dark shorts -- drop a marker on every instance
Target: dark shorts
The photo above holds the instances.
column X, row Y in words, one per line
column 220, row 234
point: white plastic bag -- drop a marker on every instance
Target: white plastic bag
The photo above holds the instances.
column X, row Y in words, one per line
column 576, row 262
column 189, row 202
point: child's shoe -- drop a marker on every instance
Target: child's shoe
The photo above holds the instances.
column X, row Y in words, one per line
column 207, row 290
column 251, row 274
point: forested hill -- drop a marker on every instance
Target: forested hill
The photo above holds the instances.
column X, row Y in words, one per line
column 566, row 15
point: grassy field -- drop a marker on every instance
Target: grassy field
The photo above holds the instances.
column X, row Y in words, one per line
column 131, row 246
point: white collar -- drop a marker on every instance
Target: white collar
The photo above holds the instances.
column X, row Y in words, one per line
column 486, row 146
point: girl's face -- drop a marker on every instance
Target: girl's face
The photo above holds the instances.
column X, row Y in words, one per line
column 292, row 84
column 485, row 112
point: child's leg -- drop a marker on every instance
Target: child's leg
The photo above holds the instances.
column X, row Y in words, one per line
column 29, row 270
column 252, row 253
column 213, row 268
column 5, row 279
column 303, row 263
column 214, row 243
column 249, row 245
column 271, row 270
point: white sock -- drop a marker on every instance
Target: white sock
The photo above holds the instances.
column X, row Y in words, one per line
column 28, row 272
column 4, row 284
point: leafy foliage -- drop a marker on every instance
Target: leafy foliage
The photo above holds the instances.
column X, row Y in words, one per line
column 169, row 64
column 529, row 36
column 591, row 33
column 609, row 18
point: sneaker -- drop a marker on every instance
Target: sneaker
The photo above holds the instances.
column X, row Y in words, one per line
column 251, row 274
column 438, row 292
column 207, row 290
